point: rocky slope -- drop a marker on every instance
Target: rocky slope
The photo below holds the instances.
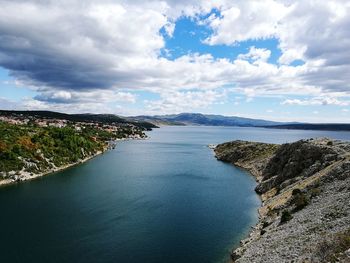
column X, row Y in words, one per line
column 305, row 190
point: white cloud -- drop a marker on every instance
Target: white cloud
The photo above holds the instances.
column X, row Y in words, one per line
column 317, row 32
column 256, row 54
column 74, row 97
column 316, row 101
column 99, row 52
column 243, row 20
column 177, row 102
column 6, row 104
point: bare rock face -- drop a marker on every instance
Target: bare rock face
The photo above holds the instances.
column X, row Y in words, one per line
column 305, row 189
column 252, row 156
column 300, row 159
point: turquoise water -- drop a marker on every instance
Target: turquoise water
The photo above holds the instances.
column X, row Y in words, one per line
column 166, row 199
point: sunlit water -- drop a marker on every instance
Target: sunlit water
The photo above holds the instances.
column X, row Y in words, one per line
column 166, row 199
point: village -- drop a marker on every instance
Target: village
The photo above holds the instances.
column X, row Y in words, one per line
column 21, row 119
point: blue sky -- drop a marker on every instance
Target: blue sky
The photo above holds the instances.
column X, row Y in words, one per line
column 188, row 38
column 251, row 59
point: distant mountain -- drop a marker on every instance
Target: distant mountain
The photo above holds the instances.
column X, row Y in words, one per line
column 314, row 126
column 86, row 117
column 182, row 119
column 219, row 120
column 205, row 119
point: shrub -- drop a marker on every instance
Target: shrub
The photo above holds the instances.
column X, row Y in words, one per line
column 296, row 191
column 265, row 224
column 333, row 247
column 286, row 216
column 300, row 201
column 315, row 192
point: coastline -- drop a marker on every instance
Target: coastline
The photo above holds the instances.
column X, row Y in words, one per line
column 26, row 176
column 254, row 231
column 304, row 190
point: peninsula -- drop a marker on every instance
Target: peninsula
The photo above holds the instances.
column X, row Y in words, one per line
column 305, row 192
column 33, row 144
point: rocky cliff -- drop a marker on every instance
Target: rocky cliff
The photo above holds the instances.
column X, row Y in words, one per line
column 305, row 190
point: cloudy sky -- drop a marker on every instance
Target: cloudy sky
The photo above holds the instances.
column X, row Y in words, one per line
column 279, row 60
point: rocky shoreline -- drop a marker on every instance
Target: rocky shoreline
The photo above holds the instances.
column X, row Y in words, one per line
column 22, row 176
column 305, row 192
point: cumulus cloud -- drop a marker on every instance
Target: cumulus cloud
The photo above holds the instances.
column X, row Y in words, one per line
column 243, row 20
column 317, row 32
column 317, row 101
column 74, row 97
column 67, row 44
column 256, row 54
column 99, row 52
column 177, row 102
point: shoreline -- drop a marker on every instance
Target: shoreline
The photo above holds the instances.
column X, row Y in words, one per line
column 26, row 176
column 304, row 192
column 254, row 230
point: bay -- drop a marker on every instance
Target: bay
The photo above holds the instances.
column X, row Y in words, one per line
column 165, row 199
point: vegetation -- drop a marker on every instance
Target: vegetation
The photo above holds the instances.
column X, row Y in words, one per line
column 36, row 149
column 97, row 118
column 286, row 216
column 299, row 200
column 333, row 247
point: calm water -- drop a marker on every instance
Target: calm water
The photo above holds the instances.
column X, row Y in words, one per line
column 165, row 199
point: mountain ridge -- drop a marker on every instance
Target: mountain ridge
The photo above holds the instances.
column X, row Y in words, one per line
column 206, row 119
column 235, row 121
column 81, row 117
column 183, row 119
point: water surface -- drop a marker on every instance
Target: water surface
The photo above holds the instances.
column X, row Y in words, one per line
column 166, row 199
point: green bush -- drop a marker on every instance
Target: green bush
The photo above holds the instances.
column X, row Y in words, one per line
column 265, row 224
column 300, row 200
column 296, row 191
column 286, row 216
column 332, row 248
column 60, row 145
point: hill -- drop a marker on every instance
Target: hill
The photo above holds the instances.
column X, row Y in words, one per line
column 86, row 117
column 314, row 126
column 304, row 188
column 205, row 119
column 219, row 120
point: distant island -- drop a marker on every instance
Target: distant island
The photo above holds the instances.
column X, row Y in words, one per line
column 35, row 143
column 304, row 187
column 219, row 120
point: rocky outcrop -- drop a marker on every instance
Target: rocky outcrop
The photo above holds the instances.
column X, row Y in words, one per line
column 305, row 189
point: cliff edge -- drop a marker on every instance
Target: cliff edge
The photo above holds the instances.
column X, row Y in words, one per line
column 305, row 190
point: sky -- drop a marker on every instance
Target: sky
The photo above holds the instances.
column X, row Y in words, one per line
column 280, row 60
